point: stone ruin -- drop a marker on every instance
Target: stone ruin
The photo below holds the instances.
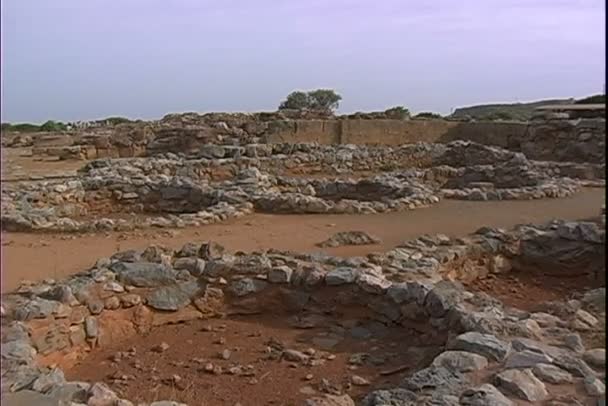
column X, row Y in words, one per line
column 171, row 191
column 485, row 352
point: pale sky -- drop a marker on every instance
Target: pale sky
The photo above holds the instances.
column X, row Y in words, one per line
column 87, row 59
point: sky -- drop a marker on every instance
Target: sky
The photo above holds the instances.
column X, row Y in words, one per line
column 88, row 59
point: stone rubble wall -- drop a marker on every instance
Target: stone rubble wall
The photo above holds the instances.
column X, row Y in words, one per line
column 415, row 282
column 177, row 192
column 581, row 140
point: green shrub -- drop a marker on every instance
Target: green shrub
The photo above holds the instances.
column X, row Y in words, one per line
column 428, row 114
column 326, row 100
column 397, row 113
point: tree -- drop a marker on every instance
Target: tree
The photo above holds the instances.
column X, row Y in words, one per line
column 428, row 114
column 53, row 126
column 596, row 99
column 397, row 113
column 326, row 100
column 297, row 100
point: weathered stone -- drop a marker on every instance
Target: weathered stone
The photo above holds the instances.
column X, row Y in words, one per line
column 460, row 361
column 594, row 386
column 482, row 344
column 391, row 397
column 112, row 303
column 195, row 266
column 526, row 359
column 572, row 364
column 552, row 374
column 444, row 296
column 246, row 286
column 45, row 383
column 574, row 342
column 435, row 378
column 409, row 292
column 130, row 300
column 210, row 251
column 144, row 274
column 596, row 357
column 295, row 356
column 341, row 276
column 484, row 395
column 373, row 284
column 19, row 351
column 91, row 327
column 330, row 400
column 280, row 274
column 349, row 238
column 521, row 383
column 583, row 321
column 174, row 297
column 28, row 398
column 36, row 309
column 60, row 293
column 101, row 395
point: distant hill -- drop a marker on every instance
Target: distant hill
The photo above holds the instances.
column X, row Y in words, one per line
column 512, row 111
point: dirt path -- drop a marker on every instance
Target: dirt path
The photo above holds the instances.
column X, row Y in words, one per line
column 38, row 256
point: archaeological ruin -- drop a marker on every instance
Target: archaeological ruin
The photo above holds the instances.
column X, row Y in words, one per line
column 496, row 317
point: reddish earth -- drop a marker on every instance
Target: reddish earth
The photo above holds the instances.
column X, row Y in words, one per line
column 39, row 256
column 261, row 377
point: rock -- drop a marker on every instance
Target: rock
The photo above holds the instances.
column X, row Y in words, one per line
column 27, row 398
column 112, row 303
column 583, row 321
column 552, row 374
column 280, row 274
column 521, row 383
column 594, row 386
column 484, row 395
column 195, row 266
column 101, row 395
column 349, row 238
column 330, row 400
column 36, row 309
column 409, row 292
column 189, row 249
column 114, row 287
column 483, row 344
column 392, row 397
column 45, row 383
column 444, row 296
column 210, row 251
column 572, row 364
column 435, row 378
column 294, row 356
column 341, row 276
column 90, row 327
column 574, row 342
column 596, row 357
column 144, row 274
column 595, row 299
column 526, row 359
column 246, row 286
column 373, row 284
column 172, row 298
column 460, row 361
column 61, row 293
column 167, row 403
column 127, row 256
column 130, row 300
column 359, row 381
column 95, row 306
column 162, row 347
column 18, row 351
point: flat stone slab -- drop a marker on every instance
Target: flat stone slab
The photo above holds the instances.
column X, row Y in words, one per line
column 521, row 383
column 483, row 344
